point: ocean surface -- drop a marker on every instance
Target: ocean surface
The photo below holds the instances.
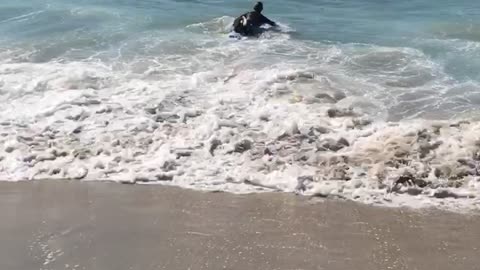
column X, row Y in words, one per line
column 345, row 98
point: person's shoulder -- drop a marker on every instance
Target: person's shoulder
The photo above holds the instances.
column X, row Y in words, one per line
column 241, row 16
column 255, row 14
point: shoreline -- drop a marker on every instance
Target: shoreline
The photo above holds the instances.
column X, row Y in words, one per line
column 391, row 200
column 100, row 225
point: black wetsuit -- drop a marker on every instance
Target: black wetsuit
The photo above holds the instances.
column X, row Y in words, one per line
column 254, row 20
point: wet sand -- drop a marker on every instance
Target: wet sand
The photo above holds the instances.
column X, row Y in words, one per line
column 81, row 225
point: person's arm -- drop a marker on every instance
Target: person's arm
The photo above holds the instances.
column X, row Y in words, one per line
column 238, row 20
column 265, row 20
column 238, row 24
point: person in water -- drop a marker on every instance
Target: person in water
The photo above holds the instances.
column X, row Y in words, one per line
column 249, row 24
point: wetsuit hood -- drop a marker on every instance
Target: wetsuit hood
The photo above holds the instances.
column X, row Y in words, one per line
column 258, row 7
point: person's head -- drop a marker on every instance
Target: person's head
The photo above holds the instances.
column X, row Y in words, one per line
column 258, row 7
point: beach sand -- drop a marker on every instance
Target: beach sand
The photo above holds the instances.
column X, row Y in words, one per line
column 97, row 225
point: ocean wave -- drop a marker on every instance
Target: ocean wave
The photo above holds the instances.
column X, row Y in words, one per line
column 273, row 114
column 237, row 139
column 217, row 25
column 468, row 31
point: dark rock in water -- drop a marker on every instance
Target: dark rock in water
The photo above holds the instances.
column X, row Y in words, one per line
column 167, row 117
column 325, row 97
column 311, row 100
column 435, row 145
column 343, row 141
column 423, row 135
column 243, row 146
column 358, row 123
column 320, row 147
column 24, row 139
column 292, row 77
column 442, row 172
column 142, row 178
column 264, row 117
column 169, row 166
column 400, row 154
column 82, row 153
column 302, row 181
column 55, row 171
column 406, row 178
column 436, row 129
column 99, row 165
column 77, row 130
column 128, row 181
column 317, row 130
column 424, row 149
column 213, row 146
column 290, row 131
column 475, row 156
column 313, row 159
column 61, row 153
column 164, row 177
column 340, row 173
column 455, row 183
column 409, row 179
column 190, row 114
column 338, row 95
column 151, row 110
column 116, row 143
column 9, row 149
column 306, row 75
column 335, row 112
column 268, row 151
column 80, row 174
column 423, row 174
column 462, row 172
column 301, row 157
column 311, row 139
column 78, row 117
column 183, row 152
column 321, row 130
column 331, row 145
column 283, row 136
column 414, row 191
column 332, row 113
column 117, row 159
column 421, row 183
column 442, row 194
column 458, row 124
column 30, row 158
column 257, row 183
column 466, row 162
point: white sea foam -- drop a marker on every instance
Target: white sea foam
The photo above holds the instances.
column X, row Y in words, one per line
column 256, row 115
